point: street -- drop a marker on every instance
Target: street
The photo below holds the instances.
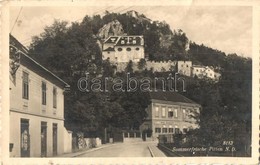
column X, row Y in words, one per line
column 136, row 149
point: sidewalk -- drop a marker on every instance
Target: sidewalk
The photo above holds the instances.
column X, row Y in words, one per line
column 83, row 151
column 155, row 151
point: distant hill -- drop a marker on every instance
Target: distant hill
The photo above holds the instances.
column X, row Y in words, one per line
column 161, row 43
column 158, row 35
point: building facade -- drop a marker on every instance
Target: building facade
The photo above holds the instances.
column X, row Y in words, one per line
column 123, row 48
column 36, row 107
column 205, row 72
column 170, row 113
column 184, row 67
column 198, row 70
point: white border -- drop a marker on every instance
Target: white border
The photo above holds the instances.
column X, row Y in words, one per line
column 120, row 160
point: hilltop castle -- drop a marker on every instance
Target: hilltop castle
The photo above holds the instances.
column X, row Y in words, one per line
column 121, row 49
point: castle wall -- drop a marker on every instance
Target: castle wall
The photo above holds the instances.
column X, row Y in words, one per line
column 156, row 66
column 184, row 67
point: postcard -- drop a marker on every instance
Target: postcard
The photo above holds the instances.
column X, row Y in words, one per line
column 130, row 82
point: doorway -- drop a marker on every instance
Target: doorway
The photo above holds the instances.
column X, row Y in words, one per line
column 55, row 138
column 43, row 139
column 25, row 138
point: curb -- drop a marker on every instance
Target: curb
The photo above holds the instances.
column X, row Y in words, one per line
column 93, row 149
column 151, row 152
column 169, row 150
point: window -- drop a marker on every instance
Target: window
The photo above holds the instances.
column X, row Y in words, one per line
column 25, row 85
column 54, row 97
column 170, row 130
column 128, row 49
column 113, row 39
column 164, row 130
column 108, row 52
column 157, row 130
column 175, row 113
column 177, row 130
column 137, row 49
column 185, row 129
column 170, row 113
column 187, row 66
column 119, row 49
column 44, row 93
column 163, row 112
column 184, row 114
column 156, row 111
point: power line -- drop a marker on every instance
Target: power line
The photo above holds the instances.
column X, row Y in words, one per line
column 96, row 12
column 124, row 9
column 116, row 9
column 16, row 19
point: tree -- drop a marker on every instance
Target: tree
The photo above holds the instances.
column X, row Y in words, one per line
column 134, row 104
column 152, row 43
column 108, row 68
column 226, row 105
column 203, row 55
column 129, row 67
column 179, row 45
column 66, row 50
column 141, row 64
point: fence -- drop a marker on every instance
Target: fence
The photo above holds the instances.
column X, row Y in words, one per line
column 79, row 142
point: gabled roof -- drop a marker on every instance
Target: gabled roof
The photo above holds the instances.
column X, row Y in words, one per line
column 130, row 40
column 125, row 40
column 32, row 64
column 170, row 96
column 198, row 66
column 111, row 40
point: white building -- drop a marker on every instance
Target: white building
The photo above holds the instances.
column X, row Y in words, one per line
column 36, row 108
column 198, row 70
column 184, row 67
column 205, row 72
column 170, row 113
column 123, row 48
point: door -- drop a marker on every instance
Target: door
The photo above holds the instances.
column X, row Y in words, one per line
column 43, row 139
column 55, row 139
column 25, row 138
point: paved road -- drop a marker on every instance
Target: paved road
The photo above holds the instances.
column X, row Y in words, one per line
column 137, row 149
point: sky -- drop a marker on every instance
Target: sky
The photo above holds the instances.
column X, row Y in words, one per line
column 226, row 28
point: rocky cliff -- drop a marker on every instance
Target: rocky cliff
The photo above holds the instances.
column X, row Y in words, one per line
column 111, row 28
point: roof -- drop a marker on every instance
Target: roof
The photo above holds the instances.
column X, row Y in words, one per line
column 170, row 96
column 32, row 64
column 111, row 40
column 109, row 49
column 198, row 66
column 135, row 40
column 130, row 41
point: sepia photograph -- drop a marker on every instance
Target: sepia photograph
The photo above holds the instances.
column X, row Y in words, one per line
column 168, row 82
